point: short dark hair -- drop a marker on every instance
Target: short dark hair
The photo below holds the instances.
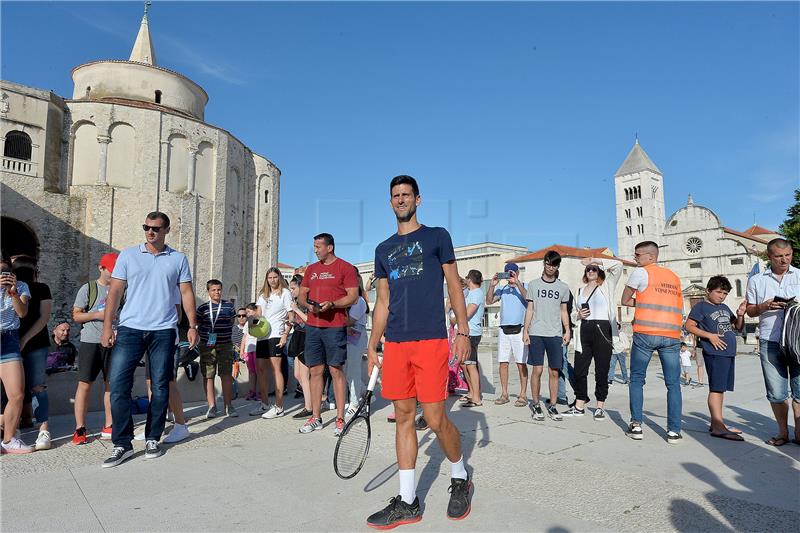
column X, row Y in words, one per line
column 212, row 282
column 158, row 215
column 719, row 282
column 778, row 242
column 646, row 244
column 403, row 179
column 475, row 276
column 552, row 258
column 297, row 278
column 251, row 306
column 683, row 344
column 328, row 238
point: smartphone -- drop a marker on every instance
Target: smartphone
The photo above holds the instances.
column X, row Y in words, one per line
column 503, row 275
column 779, row 299
column 5, row 273
column 313, row 303
column 585, row 306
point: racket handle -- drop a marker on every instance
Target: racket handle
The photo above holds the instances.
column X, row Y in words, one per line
column 373, row 378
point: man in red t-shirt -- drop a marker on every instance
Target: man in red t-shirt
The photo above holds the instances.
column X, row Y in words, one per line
column 328, row 289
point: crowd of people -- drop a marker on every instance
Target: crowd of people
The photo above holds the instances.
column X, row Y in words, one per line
column 142, row 303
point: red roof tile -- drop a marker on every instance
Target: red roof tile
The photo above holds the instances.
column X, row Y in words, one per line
column 569, row 251
column 758, row 230
column 746, row 235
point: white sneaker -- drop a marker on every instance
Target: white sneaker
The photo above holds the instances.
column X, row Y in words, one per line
column 350, row 412
column 259, row 410
column 15, row 445
column 179, row 432
column 139, row 436
column 43, row 441
column 230, row 411
column 274, row 412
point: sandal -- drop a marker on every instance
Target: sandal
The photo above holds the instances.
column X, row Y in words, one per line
column 728, row 435
column 463, row 399
column 470, row 403
column 730, row 430
column 777, row 441
column 521, row 402
column 501, row 400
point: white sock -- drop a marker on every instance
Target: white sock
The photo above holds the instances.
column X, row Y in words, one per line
column 457, row 469
column 408, row 485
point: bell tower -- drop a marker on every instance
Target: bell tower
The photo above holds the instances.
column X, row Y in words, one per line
column 639, row 188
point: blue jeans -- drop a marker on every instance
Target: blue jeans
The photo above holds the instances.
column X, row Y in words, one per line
column 780, row 374
column 129, row 348
column 35, row 363
column 622, row 366
column 565, row 373
column 641, row 353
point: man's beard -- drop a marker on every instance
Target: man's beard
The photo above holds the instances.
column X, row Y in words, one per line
column 405, row 218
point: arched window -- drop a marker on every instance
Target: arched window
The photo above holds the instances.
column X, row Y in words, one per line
column 158, row 97
column 18, row 145
column 739, row 288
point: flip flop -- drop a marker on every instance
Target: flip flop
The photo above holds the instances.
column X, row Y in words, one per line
column 470, row 403
column 521, row 402
column 776, row 441
column 501, row 400
column 730, row 430
column 728, row 435
column 463, row 399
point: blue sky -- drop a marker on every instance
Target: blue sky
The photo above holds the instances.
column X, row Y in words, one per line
column 513, row 116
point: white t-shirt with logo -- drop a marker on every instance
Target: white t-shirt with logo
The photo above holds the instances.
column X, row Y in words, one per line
column 275, row 309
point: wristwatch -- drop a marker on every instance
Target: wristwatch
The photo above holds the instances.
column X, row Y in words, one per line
column 196, row 327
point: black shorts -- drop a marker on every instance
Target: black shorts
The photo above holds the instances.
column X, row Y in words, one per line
column 325, row 346
column 92, row 359
column 721, row 372
column 268, row 348
column 474, row 342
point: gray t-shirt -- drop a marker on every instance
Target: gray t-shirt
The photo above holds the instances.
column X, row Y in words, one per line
column 547, row 299
column 91, row 331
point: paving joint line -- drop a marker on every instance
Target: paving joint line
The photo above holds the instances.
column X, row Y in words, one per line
column 86, row 500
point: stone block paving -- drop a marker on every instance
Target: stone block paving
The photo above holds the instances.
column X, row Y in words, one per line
column 249, row 474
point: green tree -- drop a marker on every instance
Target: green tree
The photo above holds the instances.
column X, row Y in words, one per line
column 791, row 227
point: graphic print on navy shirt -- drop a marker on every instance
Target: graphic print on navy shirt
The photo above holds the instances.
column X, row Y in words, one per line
column 412, row 264
column 716, row 319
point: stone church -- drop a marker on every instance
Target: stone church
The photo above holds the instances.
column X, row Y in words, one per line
column 80, row 173
column 693, row 241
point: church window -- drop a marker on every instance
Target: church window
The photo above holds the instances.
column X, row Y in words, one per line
column 694, row 265
column 739, row 288
column 158, row 97
column 641, row 228
column 266, row 197
column 694, row 245
column 673, row 223
column 88, row 90
column 627, row 195
column 654, row 189
column 697, row 281
column 737, row 261
column 627, row 213
column 18, row 145
column 639, row 211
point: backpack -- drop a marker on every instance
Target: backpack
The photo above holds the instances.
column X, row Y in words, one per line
column 93, row 290
column 790, row 333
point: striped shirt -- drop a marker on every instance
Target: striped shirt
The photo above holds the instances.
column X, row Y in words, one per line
column 9, row 320
column 216, row 318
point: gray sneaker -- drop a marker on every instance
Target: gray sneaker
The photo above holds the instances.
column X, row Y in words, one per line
column 118, row 455
column 538, row 413
column 212, row 412
column 230, row 411
column 554, row 414
column 635, row 431
column 600, row 414
column 259, row 409
column 312, row 424
column 152, row 450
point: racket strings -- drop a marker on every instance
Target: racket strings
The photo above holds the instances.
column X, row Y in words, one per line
column 352, row 447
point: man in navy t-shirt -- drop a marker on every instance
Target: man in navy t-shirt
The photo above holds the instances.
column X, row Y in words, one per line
column 713, row 322
column 411, row 267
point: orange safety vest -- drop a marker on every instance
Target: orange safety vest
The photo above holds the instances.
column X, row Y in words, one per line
column 659, row 308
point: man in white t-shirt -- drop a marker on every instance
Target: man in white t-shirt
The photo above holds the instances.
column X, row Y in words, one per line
column 767, row 294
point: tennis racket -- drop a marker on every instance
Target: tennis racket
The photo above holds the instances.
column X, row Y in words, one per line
column 353, row 444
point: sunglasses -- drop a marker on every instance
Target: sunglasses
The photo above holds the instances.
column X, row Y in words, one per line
column 241, row 316
column 155, row 229
column 592, row 269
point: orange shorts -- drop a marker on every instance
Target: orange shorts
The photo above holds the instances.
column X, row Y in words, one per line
column 415, row 369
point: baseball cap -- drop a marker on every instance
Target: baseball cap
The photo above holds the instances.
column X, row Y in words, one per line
column 108, row 261
column 511, row 267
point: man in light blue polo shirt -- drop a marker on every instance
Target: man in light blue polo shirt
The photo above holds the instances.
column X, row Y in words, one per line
column 767, row 293
column 154, row 275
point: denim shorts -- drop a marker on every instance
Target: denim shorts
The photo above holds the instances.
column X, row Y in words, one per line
column 9, row 346
column 780, row 374
column 553, row 346
column 325, row 346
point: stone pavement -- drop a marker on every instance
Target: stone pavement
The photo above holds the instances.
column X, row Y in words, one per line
column 250, row 474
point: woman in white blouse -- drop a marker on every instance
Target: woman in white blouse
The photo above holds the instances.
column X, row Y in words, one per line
column 595, row 313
